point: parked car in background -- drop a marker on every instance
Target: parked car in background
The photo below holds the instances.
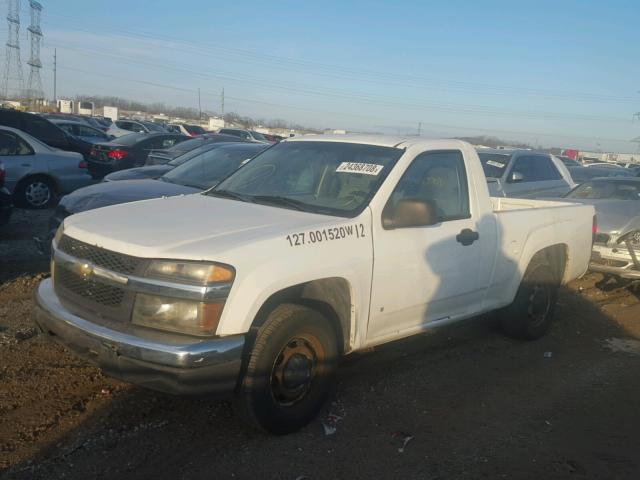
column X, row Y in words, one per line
column 90, row 121
column 128, row 151
column 6, row 200
column 198, row 174
column 186, row 129
column 583, row 174
column 603, row 165
column 82, row 131
column 568, row 162
column 159, row 157
column 36, row 173
column 273, row 138
column 524, row 174
column 244, row 134
column 43, row 130
column 155, row 171
column 119, row 128
column 616, row 249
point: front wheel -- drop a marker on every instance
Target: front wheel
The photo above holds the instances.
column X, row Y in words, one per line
column 289, row 371
column 530, row 316
column 35, row 192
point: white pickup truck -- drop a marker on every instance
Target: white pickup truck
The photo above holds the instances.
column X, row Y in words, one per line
column 318, row 247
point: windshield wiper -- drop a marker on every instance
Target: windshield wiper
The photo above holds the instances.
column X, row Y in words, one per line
column 229, row 194
column 284, row 201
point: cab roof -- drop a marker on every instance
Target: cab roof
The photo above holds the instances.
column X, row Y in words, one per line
column 379, row 140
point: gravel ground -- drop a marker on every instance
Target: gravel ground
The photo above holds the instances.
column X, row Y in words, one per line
column 461, row 402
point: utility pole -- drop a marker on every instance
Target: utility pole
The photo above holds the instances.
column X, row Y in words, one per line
column 223, row 103
column 55, row 76
column 419, row 128
column 199, row 106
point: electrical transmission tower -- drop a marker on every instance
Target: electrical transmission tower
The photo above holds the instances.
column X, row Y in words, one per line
column 34, row 90
column 13, row 80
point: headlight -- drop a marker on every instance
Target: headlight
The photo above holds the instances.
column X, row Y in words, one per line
column 59, row 232
column 191, row 272
column 175, row 315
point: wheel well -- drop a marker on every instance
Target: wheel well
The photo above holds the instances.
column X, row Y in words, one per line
column 329, row 296
column 556, row 257
column 30, row 176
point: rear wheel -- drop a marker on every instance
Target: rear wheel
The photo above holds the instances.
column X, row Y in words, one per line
column 530, row 316
column 35, row 192
column 289, row 371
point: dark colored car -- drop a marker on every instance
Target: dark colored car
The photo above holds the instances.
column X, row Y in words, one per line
column 128, row 151
column 156, row 171
column 200, row 173
column 43, row 130
column 584, row 174
column 6, row 205
column 160, row 157
column 82, row 131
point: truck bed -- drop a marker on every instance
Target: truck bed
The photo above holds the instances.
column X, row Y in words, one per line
column 501, row 204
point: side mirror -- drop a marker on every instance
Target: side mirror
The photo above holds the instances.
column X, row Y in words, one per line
column 409, row 213
column 516, row 177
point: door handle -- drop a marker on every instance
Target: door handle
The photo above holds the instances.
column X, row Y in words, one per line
column 466, row 237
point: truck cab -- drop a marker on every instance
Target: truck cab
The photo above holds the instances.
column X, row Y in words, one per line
column 318, row 247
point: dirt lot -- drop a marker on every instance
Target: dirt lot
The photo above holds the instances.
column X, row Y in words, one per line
column 465, row 402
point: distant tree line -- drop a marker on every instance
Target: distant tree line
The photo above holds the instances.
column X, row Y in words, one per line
column 186, row 112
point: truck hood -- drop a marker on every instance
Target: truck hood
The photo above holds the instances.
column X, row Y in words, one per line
column 124, row 191
column 195, row 227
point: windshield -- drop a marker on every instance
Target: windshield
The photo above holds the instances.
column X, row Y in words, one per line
column 333, row 178
column 187, row 145
column 207, row 169
column 494, row 164
column 195, row 129
column 185, row 157
column 129, row 140
column 259, row 136
column 154, row 127
column 603, row 189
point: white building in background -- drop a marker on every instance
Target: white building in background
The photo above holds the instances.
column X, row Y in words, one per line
column 110, row 112
column 85, row 108
column 216, row 123
column 65, row 106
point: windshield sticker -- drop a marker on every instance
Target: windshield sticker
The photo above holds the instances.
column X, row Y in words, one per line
column 493, row 163
column 325, row 235
column 365, row 168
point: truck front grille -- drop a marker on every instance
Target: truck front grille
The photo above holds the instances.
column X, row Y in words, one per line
column 90, row 290
column 116, row 262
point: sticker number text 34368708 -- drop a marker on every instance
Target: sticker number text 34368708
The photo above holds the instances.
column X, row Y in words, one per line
column 326, row 235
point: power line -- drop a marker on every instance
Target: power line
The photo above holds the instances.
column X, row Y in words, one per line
column 338, row 71
column 411, row 104
column 354, row 115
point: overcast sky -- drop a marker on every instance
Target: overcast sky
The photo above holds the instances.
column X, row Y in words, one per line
column 561, row 73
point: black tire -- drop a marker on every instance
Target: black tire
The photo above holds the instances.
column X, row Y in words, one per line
column 35, row 192
column 530, row 316
column 289, row 370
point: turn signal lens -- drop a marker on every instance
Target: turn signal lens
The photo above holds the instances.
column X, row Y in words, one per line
column 192, row 272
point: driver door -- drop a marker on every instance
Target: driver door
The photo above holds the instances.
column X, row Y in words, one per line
column 427, row 273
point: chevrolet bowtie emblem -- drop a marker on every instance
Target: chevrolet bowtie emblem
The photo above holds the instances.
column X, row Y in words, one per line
column 85, row 270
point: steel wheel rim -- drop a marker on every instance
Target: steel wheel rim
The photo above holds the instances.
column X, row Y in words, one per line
column 294, row 370
column 37, row 194
column 539, row 304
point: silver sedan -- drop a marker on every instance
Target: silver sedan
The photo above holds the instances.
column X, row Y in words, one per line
column 616, row 248
column 37, row 173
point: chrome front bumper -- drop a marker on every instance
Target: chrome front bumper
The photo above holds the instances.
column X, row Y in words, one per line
column 618, row 261
column 168, row 363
